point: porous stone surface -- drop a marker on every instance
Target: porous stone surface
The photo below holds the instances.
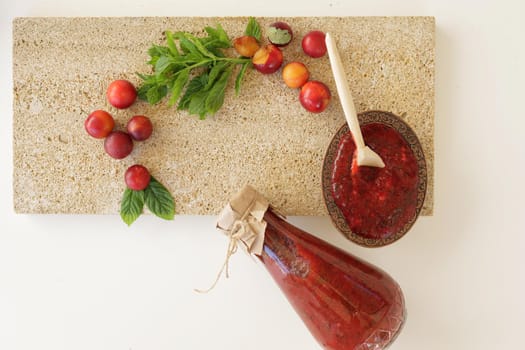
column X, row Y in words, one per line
column 62, row 67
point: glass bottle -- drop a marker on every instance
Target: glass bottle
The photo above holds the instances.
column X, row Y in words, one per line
column 345, row 302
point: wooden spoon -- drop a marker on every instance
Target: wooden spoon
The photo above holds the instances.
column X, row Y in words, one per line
column 365, row 156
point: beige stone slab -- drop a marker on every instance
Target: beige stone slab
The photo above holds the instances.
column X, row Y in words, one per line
column 62, row 67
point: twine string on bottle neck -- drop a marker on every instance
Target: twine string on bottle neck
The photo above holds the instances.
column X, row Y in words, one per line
column 239, row 229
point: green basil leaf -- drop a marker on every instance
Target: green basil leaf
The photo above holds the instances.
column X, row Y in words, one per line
column 253, row 29
column 159, row 200
column 131, row 206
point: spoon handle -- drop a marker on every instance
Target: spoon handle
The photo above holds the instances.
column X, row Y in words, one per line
column 343, row 90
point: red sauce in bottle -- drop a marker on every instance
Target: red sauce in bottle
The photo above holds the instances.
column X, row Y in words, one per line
column 345, row 302
column 376, row 202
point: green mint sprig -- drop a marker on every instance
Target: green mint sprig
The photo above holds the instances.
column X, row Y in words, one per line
column 156, row 198
column 194, row 71
column 253, row 29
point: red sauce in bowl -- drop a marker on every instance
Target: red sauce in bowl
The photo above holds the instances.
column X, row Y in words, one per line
column 377, row 205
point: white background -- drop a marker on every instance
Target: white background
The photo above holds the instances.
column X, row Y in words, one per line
column 91, row 283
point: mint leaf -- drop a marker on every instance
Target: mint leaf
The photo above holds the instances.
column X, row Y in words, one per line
column 222, row 35
column 195, row 85
column 178, row 85
column 186, row 55
column 200, row 47
column 157, row 50
column 240, row 75
column 187, row 46
column 171, row 44
column 197, row 104
column 214, row 74
column 218, row 37
column 159, row 200
column 253, row 29
column 156, row 93
column 162, row 64
column 148, row 79
column 143, row 91
column 131, row 206
column 215, row 98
